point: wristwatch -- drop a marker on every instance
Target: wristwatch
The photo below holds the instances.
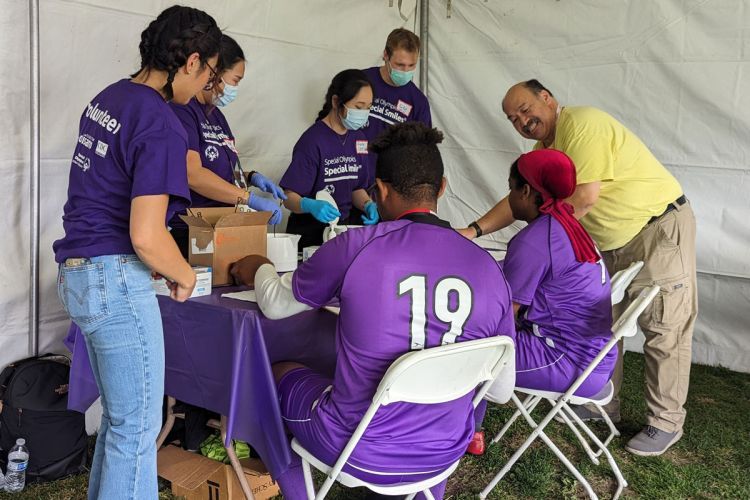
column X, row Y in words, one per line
column 476, row 227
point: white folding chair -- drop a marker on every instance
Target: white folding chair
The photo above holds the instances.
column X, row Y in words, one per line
column 620, row 282
column 625, row 326
column 429, row 376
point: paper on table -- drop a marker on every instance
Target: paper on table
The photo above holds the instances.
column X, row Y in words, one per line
column 247, row 296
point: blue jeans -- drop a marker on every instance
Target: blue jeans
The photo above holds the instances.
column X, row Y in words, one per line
column 111, row 299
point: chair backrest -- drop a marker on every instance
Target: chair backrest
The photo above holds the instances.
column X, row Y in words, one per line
column 627, row 324
column 622, row 279
column 444, row 373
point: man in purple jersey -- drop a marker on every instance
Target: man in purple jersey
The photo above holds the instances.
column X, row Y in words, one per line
column 405, row 284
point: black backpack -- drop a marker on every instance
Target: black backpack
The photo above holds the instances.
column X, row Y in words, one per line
column 34, row 393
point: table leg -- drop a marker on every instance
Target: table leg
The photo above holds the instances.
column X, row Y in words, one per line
column 168, row 423
column 235, row 462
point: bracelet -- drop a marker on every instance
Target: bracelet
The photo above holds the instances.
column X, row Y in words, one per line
column 476, row 227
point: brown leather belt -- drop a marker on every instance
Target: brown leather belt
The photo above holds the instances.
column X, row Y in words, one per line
column 672, row 206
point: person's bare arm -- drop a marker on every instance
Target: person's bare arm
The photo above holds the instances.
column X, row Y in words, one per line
column 293, row 201
column 203, row 181
column 155, row 246
column 584, row 198
column 360, row 198
column 497, row 218
column 516, row 307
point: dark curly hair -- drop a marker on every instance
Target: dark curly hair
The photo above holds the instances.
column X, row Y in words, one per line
column 345, row 85
column 169, row 40
column 409, row 160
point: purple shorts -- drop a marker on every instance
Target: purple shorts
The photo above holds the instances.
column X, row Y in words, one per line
column 299, row 391
column 541, row 367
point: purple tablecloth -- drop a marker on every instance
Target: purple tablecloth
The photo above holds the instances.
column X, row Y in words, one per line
column 218, row 356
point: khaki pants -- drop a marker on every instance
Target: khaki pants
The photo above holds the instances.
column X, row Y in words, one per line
column 667, row 248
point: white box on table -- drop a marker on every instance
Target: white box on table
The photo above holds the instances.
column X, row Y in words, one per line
column 202, row 283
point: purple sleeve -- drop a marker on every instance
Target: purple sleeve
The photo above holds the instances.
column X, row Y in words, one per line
column 302, row 172
column 160, row 165
column 507, row 324
column 318, row 280
column 525, row 266
column 190, row 124
column 424, row 115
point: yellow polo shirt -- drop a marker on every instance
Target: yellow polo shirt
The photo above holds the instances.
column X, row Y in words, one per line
column 635, row 185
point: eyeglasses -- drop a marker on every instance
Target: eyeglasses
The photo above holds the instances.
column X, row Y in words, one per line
column 213, row 80
column 373, row 189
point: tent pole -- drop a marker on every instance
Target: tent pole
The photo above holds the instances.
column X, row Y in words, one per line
column 424, row 15
column 35, row 167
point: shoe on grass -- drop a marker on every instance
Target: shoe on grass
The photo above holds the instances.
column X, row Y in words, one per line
column 589, row 415
column 476, row 445
column 651, row 441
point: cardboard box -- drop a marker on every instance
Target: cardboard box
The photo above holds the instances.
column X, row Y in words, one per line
column 196, row 477
column 202, row 283
column 220, row 236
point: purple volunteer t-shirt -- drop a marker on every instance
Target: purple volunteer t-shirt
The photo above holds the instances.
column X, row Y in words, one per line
column 393, row 105
column 569, row 301
column 387, row 277
column 208, row 133
column 323, row 159
column 130, row 144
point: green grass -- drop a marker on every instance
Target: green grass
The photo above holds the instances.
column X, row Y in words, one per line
column 711, row 461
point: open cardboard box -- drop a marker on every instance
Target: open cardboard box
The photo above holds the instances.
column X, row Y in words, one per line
column 196, row 477
column 220, row 236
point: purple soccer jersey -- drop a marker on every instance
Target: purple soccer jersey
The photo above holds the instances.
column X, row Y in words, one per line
column 323, row 159
column 130, row 144
column 402, row 285
column 568, row 302
column 393, row 105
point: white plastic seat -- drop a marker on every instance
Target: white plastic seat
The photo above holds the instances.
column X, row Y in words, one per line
column 620, row 282
column 625, row 326
column 429, row 376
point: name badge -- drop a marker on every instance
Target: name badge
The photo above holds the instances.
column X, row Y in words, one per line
column 403, row 107
column 362, row 147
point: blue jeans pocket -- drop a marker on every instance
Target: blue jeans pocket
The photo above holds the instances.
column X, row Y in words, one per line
column 82, row 290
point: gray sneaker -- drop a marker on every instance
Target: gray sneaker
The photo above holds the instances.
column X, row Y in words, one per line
column 652, row 441
column 589, row 414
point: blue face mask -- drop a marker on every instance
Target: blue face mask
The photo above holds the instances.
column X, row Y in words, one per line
column 228, row 95
column 355, row 119
column 401, row 78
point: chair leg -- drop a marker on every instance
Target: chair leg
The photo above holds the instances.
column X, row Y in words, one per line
column 613, row 431
column 428, row 494
column 538, row 432
column 527, row 403
column 565, row 410
column 309, row 486
column 410, row 497
column 621, row 482
column 235, row 462
column 168, row 423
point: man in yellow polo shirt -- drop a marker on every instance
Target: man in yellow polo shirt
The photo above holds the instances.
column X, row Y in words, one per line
column 635, row 210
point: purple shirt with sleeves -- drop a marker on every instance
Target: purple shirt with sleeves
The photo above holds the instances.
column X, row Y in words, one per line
column 568, row 301
column 130, row 144
column 392, row 105
column 323, row 159
column 208, row 134
column 387, row 277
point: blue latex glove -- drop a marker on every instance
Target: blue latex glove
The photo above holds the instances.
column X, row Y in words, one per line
column 265, row 205
column 321, row 210
column 371, row 215
column 265, row 184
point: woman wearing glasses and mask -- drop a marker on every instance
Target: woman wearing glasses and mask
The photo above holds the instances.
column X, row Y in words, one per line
column 127, row 178
column 331, row 155
column 215, row 176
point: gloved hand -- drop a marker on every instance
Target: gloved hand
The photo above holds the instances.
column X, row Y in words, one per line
column 265, row 205
column 321, row 210
column 265, row 184
column 371, row 215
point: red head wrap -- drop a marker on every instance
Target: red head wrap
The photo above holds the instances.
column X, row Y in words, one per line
column 553, row 174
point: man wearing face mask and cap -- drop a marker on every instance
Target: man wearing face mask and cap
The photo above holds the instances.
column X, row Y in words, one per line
column 397, row 99
column 214, row 173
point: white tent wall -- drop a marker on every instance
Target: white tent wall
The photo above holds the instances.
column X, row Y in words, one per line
column 675, row 72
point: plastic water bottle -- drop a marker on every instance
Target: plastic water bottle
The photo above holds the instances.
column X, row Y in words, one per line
column 18, row 459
